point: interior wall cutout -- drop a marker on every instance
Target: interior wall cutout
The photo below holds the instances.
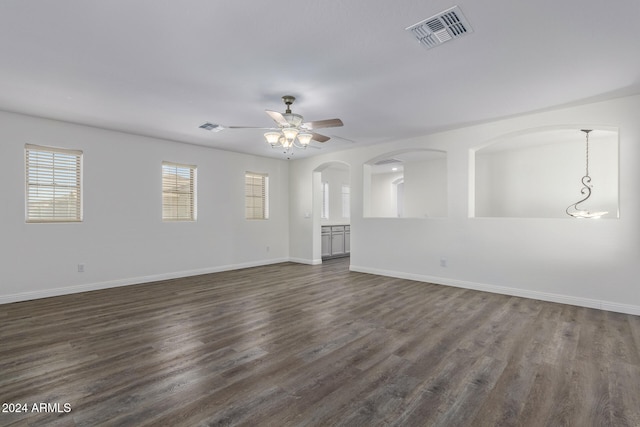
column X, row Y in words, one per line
column 406, row 184
column 336, row 175
column 538, row 173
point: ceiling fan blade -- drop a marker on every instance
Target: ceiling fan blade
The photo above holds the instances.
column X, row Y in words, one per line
column 329, row 123
column 213, row 127
column 319, row 138
column 277, row 117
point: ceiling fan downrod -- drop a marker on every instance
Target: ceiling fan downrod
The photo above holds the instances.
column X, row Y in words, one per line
column 288, row 100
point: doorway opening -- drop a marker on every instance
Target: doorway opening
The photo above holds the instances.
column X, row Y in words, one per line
column 331, row 211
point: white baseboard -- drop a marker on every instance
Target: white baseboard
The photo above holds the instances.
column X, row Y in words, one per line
column 306, row 261
column 46, row 293
column 543, row 296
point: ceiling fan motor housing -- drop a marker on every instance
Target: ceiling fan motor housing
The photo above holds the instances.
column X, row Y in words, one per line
column 294, row 120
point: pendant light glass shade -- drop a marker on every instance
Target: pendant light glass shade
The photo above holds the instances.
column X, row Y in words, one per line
column 290, row 134
column 304, row 138
column 272, row 137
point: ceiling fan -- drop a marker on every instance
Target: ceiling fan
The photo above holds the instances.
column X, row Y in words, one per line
column 291, row 130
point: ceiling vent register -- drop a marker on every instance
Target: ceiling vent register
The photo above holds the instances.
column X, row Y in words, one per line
column 211, row 126
column 448, row 25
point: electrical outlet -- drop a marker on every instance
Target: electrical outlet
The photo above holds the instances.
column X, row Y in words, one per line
column 268, row 248
column 443, row 262
column 80, row 268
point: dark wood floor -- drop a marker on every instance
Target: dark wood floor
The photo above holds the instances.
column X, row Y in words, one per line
column 292, row 344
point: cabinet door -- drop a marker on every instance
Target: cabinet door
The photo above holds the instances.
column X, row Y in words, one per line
column 326, row 244
column 347, row 242
column 337, row 243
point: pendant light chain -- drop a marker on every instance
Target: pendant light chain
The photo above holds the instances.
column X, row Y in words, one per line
column 587, row 149
column 573, row 209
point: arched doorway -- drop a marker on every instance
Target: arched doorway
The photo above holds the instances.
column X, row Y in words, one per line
column 331, row 211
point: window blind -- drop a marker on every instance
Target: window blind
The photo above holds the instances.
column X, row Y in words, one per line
column 325, row 201
column 346, row 201
column 178, row 192
column 256, row 191
column 53, row 184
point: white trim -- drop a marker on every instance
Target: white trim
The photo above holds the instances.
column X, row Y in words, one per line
column 46, row 293
column 306, row 261
column 523, row 293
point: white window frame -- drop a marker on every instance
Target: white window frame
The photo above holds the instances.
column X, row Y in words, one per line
column 179, row 192
column 346, row 200
column 324, row 214
column 53, row 184
column 256, row 196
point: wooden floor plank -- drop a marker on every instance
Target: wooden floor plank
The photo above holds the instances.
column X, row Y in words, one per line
column 298, row 345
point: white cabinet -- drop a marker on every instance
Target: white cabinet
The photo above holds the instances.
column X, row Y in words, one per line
column 336, row 240
column 326, row 242
column 347, row 239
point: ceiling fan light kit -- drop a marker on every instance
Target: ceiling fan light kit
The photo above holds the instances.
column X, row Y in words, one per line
column 291, row 132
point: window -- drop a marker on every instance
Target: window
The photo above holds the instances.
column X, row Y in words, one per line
column 256, row 192
column 53, row 181
column 178, row 192
column 346, row 201
column 325, row 201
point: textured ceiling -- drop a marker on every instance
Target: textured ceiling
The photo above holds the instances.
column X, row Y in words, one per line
column 162, row 68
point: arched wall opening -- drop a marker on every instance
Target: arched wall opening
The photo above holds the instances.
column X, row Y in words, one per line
column 331, row 186
column 410, row 183
column 537, row 173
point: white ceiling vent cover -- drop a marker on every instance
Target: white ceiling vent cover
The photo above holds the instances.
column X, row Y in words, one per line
column 211, row 126
column 448, row 25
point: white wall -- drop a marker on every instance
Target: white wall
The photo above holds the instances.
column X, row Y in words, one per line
column 585, row 262
column 384, row 202
column 122, row 239
column 592, row 263
column 425, row 188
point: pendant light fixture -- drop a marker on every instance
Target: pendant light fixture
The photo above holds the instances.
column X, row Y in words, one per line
column 573, row 209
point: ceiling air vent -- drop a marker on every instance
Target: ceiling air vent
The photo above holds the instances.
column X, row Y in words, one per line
column 210, row 126
column 448, row 25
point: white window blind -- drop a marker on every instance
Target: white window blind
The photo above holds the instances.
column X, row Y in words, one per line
column 178, row 192
column 325, row 201
column 346, row 201
column 53, row 181
column 256, row 192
